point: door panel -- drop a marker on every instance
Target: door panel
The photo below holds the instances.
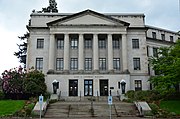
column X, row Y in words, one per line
column 88, row 88
column 103, row 87
column 73, row 87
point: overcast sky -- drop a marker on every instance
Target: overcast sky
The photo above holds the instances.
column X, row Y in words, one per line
column 14, row 16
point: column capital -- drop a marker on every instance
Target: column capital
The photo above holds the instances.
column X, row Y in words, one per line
column 81, row 34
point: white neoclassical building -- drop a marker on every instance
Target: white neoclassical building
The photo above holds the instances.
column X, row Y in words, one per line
column 91, row 53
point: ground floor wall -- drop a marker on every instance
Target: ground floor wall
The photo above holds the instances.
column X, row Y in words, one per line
column 95, row 85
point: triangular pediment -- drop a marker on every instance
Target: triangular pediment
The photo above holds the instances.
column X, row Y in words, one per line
column 88, row 17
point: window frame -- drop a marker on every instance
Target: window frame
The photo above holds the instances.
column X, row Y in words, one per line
column 40, row 43
column 102, row 43
column 88, row 43
column 88, row 64
column 60, row 43
column 137, row 63
column 39, row 63
column 163, row 37
column 116, row 61
column 74, row 64
column 102, row 64
column 171, row 38
column 135, row 43
column 59, row 61
column 138, row 85
column 74, row 43
column 154, row 35
column 155, row 52
column 116, row 43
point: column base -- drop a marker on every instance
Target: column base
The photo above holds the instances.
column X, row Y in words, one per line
column 80, row 71
column 50, row 71
column 95, row 71
column 126, row 71
column 66, row 71
column 111, row 71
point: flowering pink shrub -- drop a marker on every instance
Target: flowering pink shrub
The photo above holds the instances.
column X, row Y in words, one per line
column 12, row 80
column 17, row 82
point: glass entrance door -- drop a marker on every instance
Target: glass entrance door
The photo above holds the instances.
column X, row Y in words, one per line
column 73, row 87
column 88, row 87
column 103, row 87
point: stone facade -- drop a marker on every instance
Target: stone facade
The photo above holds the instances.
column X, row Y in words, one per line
column 91, row 53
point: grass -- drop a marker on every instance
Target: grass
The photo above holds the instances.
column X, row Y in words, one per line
column 9, row 107
column 171, row 105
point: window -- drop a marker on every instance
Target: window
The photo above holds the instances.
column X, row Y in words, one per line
column 60, row 43
column 88, row 64
column 102, row 63
column 74, row 64
column 116, row 44
column 74, row 43
column 163, row 36
column 136, row 62
column 40, row 43
column 88, row 43
column 116, row 63
column 102, row 43
column 138, row 85
column 135, row 43
column 154, row 35
column 171, row 38
column 155, row 52
column 59, row 64
column 39, row 63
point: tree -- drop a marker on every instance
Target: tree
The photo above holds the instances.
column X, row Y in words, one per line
column 51, row 8
column 22, row 52
column 167, row 66
column 17, row 83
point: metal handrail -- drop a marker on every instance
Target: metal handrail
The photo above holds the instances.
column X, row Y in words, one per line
column 118, row 95
column 59, row 95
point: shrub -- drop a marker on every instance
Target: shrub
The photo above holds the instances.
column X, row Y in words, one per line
column 149, row 95
column 154, row 108
column 19, row 84
column 130, row 94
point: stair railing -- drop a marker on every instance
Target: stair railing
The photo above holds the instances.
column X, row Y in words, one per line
column 59, row 95
column 118, row 95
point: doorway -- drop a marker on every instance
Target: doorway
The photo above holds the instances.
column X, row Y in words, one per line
column 73, row 87
column 103, row 87
column 88, row 87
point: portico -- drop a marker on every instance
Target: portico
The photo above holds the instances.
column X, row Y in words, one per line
column 107, row 52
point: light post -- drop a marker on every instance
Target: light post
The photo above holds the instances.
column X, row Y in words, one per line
column 123, row 86
column 55, row 86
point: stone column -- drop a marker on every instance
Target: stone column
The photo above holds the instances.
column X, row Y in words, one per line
column 51, row 52
column 110, row 53
column 81, row 52
column 66, row 52
column 124, row 53
column 95, row 52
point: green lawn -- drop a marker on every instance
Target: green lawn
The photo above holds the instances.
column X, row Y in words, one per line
column 8, row 107
column 171, row 105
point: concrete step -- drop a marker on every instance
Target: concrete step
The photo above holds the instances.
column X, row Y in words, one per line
column 84, row 109
column 88, row 98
